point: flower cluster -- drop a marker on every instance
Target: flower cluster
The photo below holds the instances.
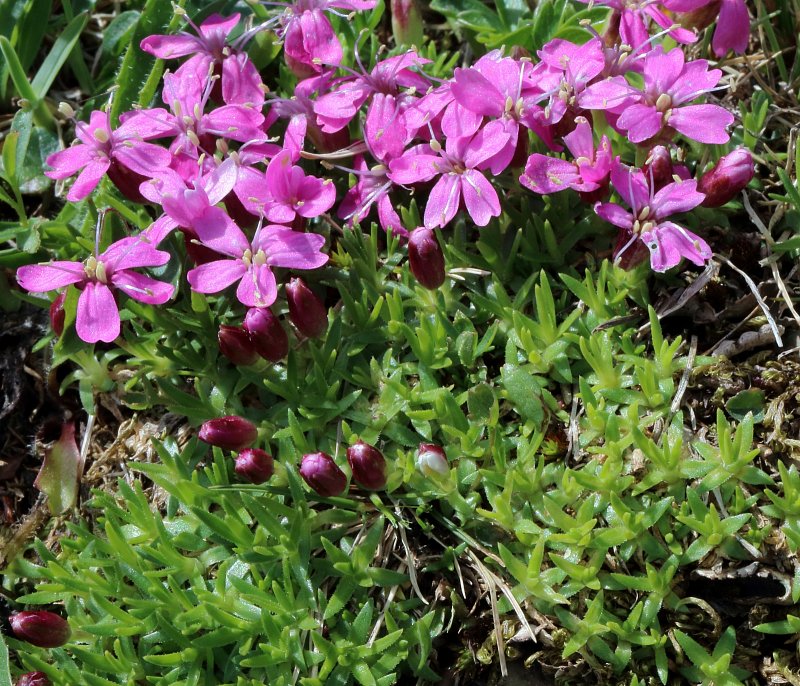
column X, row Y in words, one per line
column 223, row 160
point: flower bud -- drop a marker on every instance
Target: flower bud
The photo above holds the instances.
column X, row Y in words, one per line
column 235, row 344
column 41, row 628
column 306, row 310
column 33, row 679
column 229, row 433
column 322, row 474
column 367, row 465
column 431, row 460
column 406, row 22
column 57, row 314
column 266, row 333
column 658, row 167
column 426, row 258
column 729, row 176
column 254, row 465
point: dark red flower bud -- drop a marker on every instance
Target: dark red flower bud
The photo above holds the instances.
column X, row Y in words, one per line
column 729, row 176
column 658, row 167
column 432, row 460
column 57, row 314
column 236, row 345
column 306, row 310
column 254, row 465
column 33, row 679
column 368, row 465
column 426, row 258
column 41, row 628
column 322, row 474
column 266, row 333
column 229, row 433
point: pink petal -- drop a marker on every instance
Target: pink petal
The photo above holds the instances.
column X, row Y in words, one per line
column 317, row 196
column 632, row 30
column 241, row 82
column 480, row 197
column 98, row 316
column 67, row 162
column 580, row 141
column 167, row 47
column 145, row 124
column 216, row 28
column 257, row 287
column 40, row 278
column 680, row 196
column 614, row 214
column 695, row 80
column 293, row 249
column 310, row 38
column 132, row 252
column 235, row 122
column 472, row 91
column 443, row 201
column 703, row 123
column 414, row 167
column 219, row 232
column 159, row 229
column 631, row 185
column 459, row 122
column 661, row 70
column 146, row 159
column 213, row 277
column 545, row 175
column 88, row 179
column 668, row 243
column 641, row 122
column 389, row 218
column 490, row 140
column 384, row 128
column 733, row 28
column 608, row 94
column 142, row 288
column 220, row 182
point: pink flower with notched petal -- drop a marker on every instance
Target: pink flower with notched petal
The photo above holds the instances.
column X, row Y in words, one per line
column 588, row 171
column 250, row 263
column 460, row 164
column 668, row 242
column 98, row 277
column 661, row 108
column 102, row 149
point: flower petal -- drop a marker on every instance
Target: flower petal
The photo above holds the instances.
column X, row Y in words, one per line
column 40, row 278
column 88, row 179
column 257, row 288
column 443, row 201
column 213, row 277
column 480, row 197
column 142, row 288
column 703, row 123
column 545, row 175
column 292, row 249
column 98, row 316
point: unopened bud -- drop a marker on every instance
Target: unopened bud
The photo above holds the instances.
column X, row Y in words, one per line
column 66, row 109
column 368, row 465
column 729, row 176
column 431, row 460
column 254, row 465
column 322, row 474
column 306, row 310
column 426, row 258
column 33, row 679
column 229, row 433
column 658, row 168
column 41, row 628
column 406, row 22
column 235, row 344
column 266, row 334
column 57, row 314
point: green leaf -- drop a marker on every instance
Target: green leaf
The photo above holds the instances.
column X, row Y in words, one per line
column 751, row 400
column 524, row 392
column 5, row 674
column 61, row 471
column 58, row 55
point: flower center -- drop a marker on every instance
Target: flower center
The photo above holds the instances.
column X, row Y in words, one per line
column 95, row 270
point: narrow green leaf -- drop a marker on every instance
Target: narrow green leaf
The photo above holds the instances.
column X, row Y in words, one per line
column 5, row 674
column 58, row 56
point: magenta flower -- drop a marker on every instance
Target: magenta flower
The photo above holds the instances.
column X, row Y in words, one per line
column 336, row 109
column 308, row 38
column 587, row 172
column 667, row 241
column 635, row 15
column 241, row 83
column 98, row 277
column 733, row 24
column 372, row 188
column 460, row 164
column 661, row 109
column 250, row 262
column 102, row 150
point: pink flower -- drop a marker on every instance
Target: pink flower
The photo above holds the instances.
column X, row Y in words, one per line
column 733, row 24
column 98, row 277
column 249, row 262
column 308, row 38
column 241, row 83
column 459, row 164
column 660, row 109
column 102, row 149
column 667, row 241
column 372, row 188
column 587, row 172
